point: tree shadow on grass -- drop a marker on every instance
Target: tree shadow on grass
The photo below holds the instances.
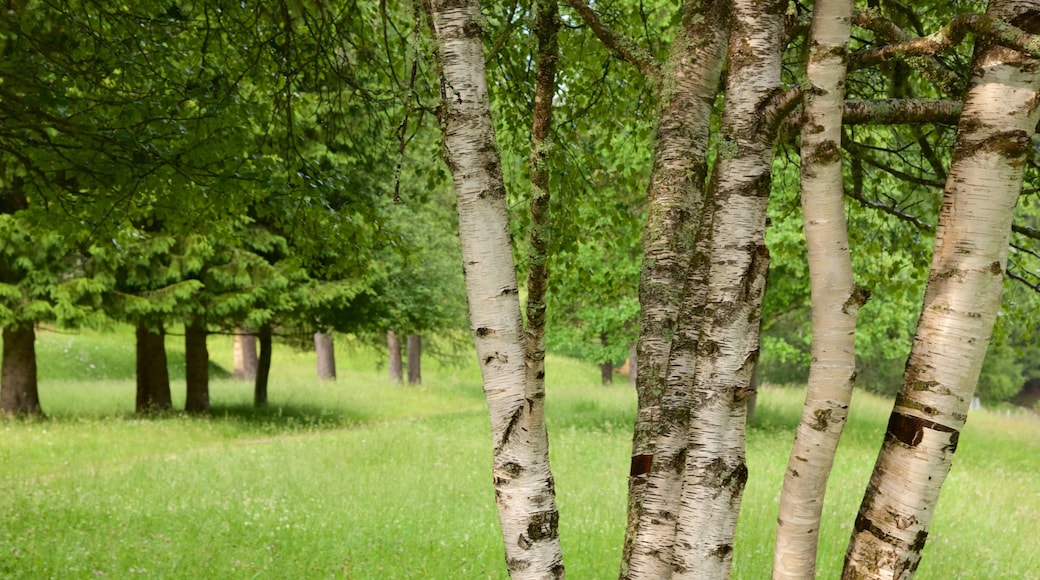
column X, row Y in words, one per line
column 286, row 419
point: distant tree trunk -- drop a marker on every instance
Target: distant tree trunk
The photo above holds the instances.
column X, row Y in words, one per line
column 961, row 302
column 153, row 375
column 325, row 352
column 836, row 298
column 633, row 364
column 19, row 394
column 606, row 369
column 196, row 367
column 393, row 347
column 263, row 367
column 245, row 360
column 524, row 489
column 414, row 359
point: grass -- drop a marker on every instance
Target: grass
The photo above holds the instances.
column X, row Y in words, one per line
column 364, row 479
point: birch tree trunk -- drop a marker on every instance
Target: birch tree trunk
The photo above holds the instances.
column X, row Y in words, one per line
column 961, row 301
column 835, row 297
column 675, row 195
column 715, row 467
column 524, row 487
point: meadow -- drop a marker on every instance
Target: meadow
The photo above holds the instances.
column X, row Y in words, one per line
column 360, row 478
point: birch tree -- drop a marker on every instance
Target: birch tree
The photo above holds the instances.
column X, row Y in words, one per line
column 513, row 381
column 960, row 305
column 835, row 297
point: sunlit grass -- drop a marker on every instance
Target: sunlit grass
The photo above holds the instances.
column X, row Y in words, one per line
column 364, row 479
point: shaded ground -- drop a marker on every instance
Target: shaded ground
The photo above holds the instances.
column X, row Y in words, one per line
column 1029, row 396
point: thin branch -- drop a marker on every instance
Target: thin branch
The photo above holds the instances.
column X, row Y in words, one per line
column 623, row 47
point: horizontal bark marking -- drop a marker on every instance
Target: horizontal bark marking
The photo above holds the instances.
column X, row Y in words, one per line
column 864, row 524
column 909, row 429
column 641, row 465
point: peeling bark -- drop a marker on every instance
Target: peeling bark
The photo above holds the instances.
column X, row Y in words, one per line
column 961, row 301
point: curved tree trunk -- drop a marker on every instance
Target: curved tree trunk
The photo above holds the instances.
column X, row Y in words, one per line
column 153, row 375
column 196, row 368
column 994, row 138
column 716, row 470
column 524, row 487
column 835, row 297
column 245, row 360
column 263, row 367
column 19, row 393
column 325, row 352
column 393, row 347
column 675, row 197
column 414, row 359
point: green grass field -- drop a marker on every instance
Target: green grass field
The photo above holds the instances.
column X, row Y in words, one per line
column 363, row 479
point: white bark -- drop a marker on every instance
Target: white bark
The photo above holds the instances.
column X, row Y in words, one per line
column 728, row 346
column 835, row 297
column 524, row 486
column 961, row 301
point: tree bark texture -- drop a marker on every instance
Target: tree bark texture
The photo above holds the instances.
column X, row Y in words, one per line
column 263, row 366
column 414, row 359
column 153, row 376
column 245, row 355
column 961, row 301
column 716, row 471
column 835, row 297
column 325, row 353
column 19, row 392
column 687, row 88
column 393, row 348
column 196, row 368
column 524, row 487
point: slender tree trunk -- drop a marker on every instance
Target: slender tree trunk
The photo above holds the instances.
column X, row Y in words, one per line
column 962, row 297
column 19, row 393
column 524, row 487
column 196, row 367
column 393, row 346
column 675, row 196
column 153, row 376
column 835, row 297
column 606, row 369
column 263, row 367
column 633, row 364
column 414, row 359
column 716, row 470
column 325, row 352
column 245, row 360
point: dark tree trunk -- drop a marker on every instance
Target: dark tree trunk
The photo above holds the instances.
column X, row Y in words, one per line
column 263, row 367
column 393, row 346
column 196, row 368
column 414, row 359
column 326, row 354
column 18, row 384
column 245, row 362
column 606, row 369
column 153, row 377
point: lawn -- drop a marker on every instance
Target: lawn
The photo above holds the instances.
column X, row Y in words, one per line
column 364, row 479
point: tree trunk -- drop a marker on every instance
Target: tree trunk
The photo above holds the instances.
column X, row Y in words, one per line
column 196, row 368
column 414, row 359
column 245, row 360
column 716, row 470
column 524, row 487
column 19, row 393
column 325, row 352
column 393, row 347
column 606, row 369
column 835, row 297
column 962, row 298
column 263, row 367
column 675, row 199
column 633, row 364
column 153, row 376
